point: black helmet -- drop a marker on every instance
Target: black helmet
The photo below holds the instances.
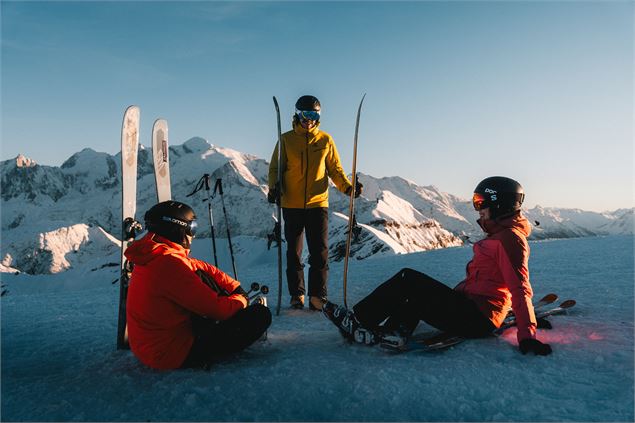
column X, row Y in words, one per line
column 503, row 196
column 172, row 220
column 308, row 102
column 307, row 108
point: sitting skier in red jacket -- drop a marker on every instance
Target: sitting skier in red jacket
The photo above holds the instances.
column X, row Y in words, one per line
column 184, row 312
column 497, row 280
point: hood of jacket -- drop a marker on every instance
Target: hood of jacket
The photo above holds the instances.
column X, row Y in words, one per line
column 516, row 222
column 151, row 246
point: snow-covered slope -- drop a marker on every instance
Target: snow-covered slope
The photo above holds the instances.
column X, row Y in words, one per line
column 59, row 361
column 396, row 216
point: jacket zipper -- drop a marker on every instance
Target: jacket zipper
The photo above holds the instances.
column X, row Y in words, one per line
column 306, row 170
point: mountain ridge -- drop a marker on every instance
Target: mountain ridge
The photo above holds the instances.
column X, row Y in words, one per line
column 397, row 215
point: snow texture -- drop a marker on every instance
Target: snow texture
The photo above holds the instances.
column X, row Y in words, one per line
column 59, row 361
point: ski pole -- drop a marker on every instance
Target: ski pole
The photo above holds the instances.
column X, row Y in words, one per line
column 204, row 183
column 219, row 186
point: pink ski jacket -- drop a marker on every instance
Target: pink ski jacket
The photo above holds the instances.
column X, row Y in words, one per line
column 498, row 275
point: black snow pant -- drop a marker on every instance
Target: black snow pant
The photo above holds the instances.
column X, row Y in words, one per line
column 315, row 222
column 215, row 340
column 411, row 296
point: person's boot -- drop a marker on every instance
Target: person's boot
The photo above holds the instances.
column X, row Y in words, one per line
column 316, row 303
column 297, row 302
column 347, row 323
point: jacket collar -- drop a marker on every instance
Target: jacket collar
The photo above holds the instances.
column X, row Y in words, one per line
column 144, row 250
column 298, row 129
column 516, row 222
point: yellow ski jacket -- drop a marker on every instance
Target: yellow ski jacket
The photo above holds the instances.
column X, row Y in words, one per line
column 309, row 159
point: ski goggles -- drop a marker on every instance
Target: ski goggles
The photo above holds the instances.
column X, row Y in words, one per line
column 190, row 227
column 308, row 114
column 479, row 201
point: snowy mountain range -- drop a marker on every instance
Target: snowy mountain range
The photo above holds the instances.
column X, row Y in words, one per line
column 56, row 217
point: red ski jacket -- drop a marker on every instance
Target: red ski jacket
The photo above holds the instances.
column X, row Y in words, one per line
column 498, row 275
column 164, row 293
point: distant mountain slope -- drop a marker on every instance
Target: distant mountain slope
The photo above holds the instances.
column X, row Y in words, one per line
column 397, row 216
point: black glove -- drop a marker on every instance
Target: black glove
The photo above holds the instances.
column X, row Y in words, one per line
column 359, row 188
column 240, row 291
column 543, row 323
column 534, row 346
column 273, row 196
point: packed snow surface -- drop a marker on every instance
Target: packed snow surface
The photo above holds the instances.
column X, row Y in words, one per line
column 59, row 361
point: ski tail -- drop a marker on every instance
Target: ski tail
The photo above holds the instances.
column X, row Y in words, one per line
column 540, row 304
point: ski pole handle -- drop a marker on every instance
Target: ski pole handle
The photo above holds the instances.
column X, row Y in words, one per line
column 219, row 186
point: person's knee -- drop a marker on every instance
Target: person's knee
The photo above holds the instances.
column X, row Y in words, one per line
column 262, row 315
column 407, row 273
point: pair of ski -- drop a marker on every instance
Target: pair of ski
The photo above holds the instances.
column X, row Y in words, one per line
column 131, row 227
column 352, row 224
column 434, row 341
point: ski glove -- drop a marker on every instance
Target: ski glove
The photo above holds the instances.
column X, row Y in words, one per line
column 240, row 291
column 543, row 323
column 359, row 188
column 273, row 196
column 534, row 346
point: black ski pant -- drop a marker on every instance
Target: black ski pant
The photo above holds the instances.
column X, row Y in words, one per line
column 214, row 340
column 315, row 223
column 411, row 296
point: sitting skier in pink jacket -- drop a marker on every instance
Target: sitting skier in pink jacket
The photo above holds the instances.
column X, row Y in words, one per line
column 497, row 280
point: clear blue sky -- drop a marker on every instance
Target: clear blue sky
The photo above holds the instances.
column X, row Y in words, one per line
column 456, row 91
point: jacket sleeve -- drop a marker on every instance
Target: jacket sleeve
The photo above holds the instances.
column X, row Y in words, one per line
column 184, row 287
column 513, row 258
column 335, row 170
column 273, row 168
column 222, row 279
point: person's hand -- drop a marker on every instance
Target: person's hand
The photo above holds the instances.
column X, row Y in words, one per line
column 543, row 323
column 359, row 188
column 240, row 291
column 273, row 196
column 534, row 346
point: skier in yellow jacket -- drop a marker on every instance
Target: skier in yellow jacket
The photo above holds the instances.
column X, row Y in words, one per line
column 309, row 159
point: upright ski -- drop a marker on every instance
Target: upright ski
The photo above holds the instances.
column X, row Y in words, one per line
column 130, row 227
column 278, row 226
column 161, row 155
column 351, row 208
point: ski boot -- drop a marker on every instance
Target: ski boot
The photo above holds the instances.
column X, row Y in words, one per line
column 349, row 326
column 297, row 302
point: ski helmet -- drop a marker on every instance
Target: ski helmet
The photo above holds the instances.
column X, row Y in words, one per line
column 308, row 108
column 172, row 220
column 503, row 196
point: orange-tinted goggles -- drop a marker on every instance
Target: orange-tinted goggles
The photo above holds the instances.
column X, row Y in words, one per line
column 479, row 201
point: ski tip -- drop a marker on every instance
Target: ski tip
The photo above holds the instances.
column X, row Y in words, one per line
column 550, row 297
column 568, row 304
